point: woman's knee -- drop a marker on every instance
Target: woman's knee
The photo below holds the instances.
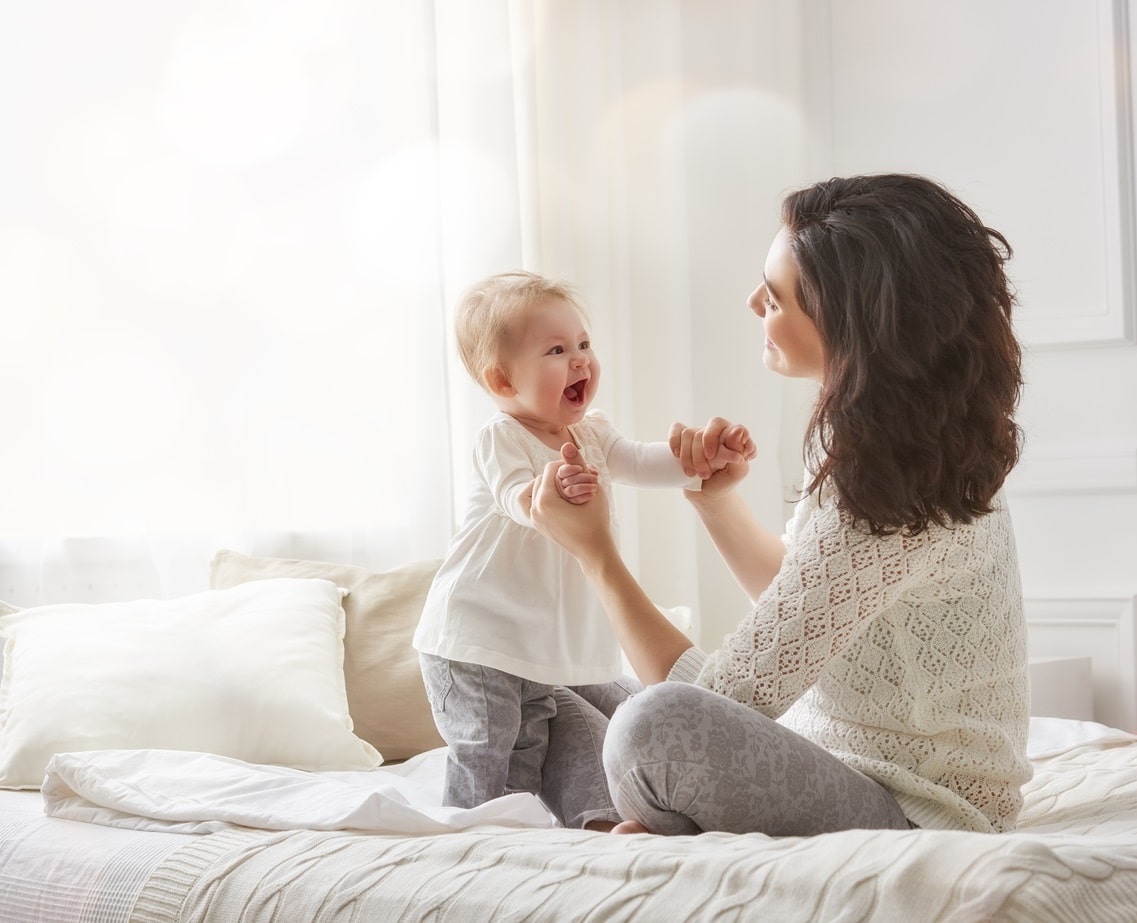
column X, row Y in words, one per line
column 637, row 726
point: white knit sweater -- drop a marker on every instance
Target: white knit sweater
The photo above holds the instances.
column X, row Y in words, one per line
column 904, row 656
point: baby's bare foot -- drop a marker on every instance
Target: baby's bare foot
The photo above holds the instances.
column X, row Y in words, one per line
column 630, row 826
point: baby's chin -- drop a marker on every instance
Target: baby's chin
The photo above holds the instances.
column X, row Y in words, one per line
column 574, row 412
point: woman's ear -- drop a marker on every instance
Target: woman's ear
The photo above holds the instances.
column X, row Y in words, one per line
column 497, row 381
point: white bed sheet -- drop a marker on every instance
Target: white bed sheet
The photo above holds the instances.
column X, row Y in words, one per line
column 188, row 792
column 90, row 867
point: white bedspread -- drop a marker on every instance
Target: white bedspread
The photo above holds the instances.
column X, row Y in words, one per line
column 187, row 792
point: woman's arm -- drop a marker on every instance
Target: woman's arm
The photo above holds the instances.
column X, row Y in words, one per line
column 650, row 642
column 752, row 553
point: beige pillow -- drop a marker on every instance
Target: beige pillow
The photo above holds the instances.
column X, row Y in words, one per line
column 385, row 694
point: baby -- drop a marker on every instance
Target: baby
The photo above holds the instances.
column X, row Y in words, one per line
column 509, row 616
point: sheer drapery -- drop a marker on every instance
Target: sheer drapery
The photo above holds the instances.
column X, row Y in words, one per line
column 229, row 236
column 232, row 234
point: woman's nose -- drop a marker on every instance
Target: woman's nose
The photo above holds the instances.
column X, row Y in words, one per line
column 756, row 303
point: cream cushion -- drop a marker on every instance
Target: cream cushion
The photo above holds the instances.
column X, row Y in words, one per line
column 254, row 673
column 385, row 693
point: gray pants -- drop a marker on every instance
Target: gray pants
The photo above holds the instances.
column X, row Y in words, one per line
column 507, row 734
column 682, row 759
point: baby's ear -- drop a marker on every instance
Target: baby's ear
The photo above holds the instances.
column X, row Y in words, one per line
column 497, row 381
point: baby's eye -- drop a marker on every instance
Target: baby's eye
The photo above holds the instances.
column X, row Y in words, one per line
column 556, row 350
column 585, row 344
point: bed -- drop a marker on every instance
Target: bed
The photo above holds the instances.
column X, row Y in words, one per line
column 172, row 786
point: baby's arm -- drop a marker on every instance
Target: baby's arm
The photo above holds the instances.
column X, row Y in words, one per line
column 684, row 461
column 576, row 482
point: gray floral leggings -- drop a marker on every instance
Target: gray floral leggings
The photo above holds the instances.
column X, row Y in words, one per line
column 681, row 759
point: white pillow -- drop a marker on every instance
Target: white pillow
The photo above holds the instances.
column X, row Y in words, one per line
column 254, row 672
column 5, row 609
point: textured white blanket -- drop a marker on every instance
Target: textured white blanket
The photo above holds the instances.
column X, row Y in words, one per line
column 187, row 792
column 1074, row 857
column 1074, row 860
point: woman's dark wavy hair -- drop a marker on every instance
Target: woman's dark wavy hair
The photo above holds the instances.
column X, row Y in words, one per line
column 906, row 286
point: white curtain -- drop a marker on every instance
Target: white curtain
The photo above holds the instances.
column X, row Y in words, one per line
column 664, row 135
column 228, row 238
column 232, row 233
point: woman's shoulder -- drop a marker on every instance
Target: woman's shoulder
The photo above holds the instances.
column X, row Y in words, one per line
column 821, row 528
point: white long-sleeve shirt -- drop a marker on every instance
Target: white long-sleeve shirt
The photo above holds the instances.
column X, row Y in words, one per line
column 904, row 656
column 506, row 596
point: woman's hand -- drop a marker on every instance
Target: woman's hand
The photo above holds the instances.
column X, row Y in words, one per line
column 719, row 453
column 582, row 529
column 651, row 643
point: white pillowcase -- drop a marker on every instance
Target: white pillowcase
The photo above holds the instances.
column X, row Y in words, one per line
column 254, row 672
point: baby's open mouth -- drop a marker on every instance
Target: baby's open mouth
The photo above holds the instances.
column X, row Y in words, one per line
column 574, row 393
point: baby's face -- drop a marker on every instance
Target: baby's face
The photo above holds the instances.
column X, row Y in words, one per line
column 553, row 373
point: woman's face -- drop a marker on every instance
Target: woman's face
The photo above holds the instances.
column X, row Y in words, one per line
column 793, row 345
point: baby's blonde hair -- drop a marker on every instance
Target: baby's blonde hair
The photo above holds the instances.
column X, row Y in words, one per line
column 487, row 315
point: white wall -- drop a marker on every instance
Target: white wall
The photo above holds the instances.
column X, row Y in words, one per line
column 1033, row 126
column 663, row 163
column 663, row 135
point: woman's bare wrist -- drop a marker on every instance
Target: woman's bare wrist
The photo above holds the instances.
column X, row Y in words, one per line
column 705, row 500
column 598, row 559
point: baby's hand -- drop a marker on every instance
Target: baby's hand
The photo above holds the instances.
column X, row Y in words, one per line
column 719, row 453
column 576, row 482
column 735, row 445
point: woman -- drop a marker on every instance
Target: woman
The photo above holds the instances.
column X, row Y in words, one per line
column 880, row 679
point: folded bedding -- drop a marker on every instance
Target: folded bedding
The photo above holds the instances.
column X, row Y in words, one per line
column 187, row 792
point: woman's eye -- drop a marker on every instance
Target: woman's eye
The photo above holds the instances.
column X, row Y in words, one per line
column 770, row 306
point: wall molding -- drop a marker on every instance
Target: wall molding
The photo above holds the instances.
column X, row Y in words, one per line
column 1076, row 468
column 1116, row 321
column 1101, row 628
